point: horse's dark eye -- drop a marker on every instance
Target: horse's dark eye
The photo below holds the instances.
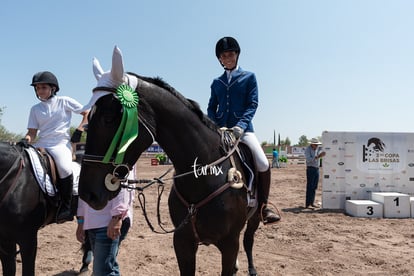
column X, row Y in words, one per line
column 108, row 120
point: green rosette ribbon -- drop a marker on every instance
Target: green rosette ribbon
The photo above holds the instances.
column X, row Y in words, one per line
column 128, row 128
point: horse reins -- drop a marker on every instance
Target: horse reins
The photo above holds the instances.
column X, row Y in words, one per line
column 193, row 207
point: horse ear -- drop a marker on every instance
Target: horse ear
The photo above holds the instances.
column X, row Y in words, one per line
column 117, row 70
column 97, row 69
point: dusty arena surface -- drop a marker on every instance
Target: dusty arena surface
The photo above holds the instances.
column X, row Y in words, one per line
column 305, row 242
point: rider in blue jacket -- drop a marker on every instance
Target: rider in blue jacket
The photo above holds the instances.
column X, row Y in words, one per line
column 233, row 103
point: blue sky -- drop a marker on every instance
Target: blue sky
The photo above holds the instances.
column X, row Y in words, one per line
column 345, row 65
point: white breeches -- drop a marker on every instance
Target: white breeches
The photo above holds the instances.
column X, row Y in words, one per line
column 250, row 139
column 62, row 154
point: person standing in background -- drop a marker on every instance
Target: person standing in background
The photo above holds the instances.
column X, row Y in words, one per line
column 275, row 160
column 312, row 154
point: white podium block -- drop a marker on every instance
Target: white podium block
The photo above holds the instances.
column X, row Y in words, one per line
column 396, row 205
column 364, row 208
column 412, row 206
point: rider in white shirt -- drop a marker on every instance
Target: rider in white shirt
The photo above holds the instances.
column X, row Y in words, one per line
column 49, row 123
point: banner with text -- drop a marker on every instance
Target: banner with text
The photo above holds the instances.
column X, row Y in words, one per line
column 359, row 163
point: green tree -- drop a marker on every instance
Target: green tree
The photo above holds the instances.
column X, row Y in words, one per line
column 6, row 135
column 285, row 142
column 1, row 113
column 303, row 141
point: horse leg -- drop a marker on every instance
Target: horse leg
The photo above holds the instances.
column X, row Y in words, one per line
column 248, row 240
column 28, row 249
column 185, row 249
column 229, row 249
column 8, row 258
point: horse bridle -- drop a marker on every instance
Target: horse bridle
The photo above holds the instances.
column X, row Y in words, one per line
column 120, row 171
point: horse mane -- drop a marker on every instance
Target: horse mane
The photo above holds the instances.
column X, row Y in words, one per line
column 190, row 104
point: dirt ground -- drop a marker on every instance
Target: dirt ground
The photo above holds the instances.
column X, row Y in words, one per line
column 305, row 242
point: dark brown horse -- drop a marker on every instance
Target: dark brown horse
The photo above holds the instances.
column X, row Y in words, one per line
column 203, row 207
column 24, row 208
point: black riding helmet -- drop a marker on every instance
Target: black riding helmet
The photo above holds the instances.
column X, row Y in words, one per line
column 226, row 44
column 45, row 77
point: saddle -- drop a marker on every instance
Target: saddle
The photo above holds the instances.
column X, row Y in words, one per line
column 48, row 164
column 45, row 171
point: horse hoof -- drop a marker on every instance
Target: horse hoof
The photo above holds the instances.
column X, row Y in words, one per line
column 83, row 269
column 252, row 272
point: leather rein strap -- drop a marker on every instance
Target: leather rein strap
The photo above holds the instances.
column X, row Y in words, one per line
column 192, row 208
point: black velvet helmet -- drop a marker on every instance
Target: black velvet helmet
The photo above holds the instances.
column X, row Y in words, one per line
column 45, row 77
column 226, row 44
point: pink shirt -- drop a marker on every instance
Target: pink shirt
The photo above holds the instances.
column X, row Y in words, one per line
column 101, row 218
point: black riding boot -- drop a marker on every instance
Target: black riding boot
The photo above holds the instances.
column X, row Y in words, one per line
column 65, row 186
column 269, row 216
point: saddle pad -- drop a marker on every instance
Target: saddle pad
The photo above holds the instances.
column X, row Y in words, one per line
column 43, row 179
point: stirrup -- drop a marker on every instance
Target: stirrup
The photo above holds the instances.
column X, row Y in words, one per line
column 270, row 216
